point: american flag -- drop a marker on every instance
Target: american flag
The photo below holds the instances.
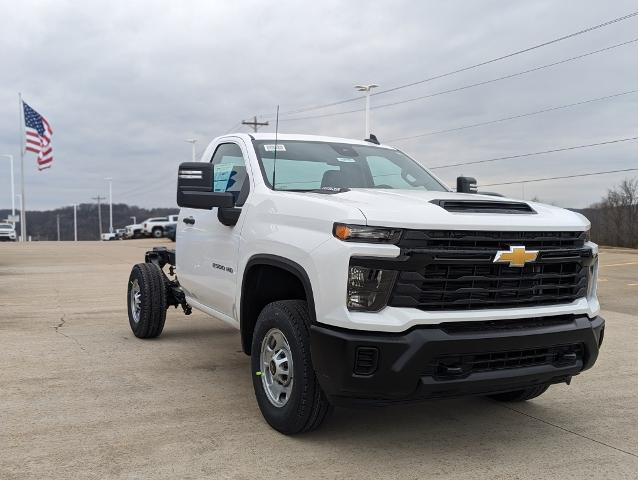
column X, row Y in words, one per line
column 38, row 136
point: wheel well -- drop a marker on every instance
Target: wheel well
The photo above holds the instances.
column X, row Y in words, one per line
column 265, row 283
column 158, row 227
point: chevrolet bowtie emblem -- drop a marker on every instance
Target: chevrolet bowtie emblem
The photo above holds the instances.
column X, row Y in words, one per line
column 516, row 256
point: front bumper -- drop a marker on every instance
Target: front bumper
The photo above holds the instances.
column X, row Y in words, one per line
column 453, row 359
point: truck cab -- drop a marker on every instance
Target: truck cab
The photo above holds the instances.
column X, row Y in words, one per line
column 356, row 276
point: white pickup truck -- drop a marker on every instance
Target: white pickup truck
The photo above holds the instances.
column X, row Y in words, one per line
column 154, row 227
column 356, row 276
column 7, row 232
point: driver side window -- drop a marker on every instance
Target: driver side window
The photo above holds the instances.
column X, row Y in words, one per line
column 229, row 172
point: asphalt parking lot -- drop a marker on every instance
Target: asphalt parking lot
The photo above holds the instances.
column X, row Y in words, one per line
column 81, row 397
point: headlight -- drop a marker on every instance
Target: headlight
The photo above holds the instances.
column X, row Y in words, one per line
column 369, row 288
column 361, row 233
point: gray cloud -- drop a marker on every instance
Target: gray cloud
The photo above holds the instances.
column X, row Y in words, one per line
column 124, row 83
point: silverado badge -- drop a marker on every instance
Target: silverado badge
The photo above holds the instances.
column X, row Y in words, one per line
column 516, row 256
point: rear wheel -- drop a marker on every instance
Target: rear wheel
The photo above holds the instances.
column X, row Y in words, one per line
column 146, row 300
column 288, row 393
column 158, row 232
column 520, row 395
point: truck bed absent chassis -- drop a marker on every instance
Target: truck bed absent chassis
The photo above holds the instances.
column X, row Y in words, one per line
column 162, row 256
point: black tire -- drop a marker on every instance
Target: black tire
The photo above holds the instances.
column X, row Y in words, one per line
column 152, row 311
column 307, row 406
column 158, row 232
column 520, row 395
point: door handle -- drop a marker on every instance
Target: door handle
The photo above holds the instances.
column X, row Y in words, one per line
column 188, row 220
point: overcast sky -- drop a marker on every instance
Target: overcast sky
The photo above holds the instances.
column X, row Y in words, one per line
column 124, row 83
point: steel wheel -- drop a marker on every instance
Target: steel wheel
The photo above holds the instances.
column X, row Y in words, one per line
column 277, row 367
column 136, row 300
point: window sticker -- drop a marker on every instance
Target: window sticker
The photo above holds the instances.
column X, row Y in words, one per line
column 271, row 148
column 221, row 175
column 346, row 160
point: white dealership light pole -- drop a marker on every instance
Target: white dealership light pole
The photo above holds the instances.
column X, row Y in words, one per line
column 110, row 180
column 367, row 89
column 192, row 141
column 75, row 222
column 13, row 193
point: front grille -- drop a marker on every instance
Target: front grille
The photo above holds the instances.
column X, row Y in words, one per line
column 480, row 240
column 446, row 367
column 448, row 285
column 454, row 270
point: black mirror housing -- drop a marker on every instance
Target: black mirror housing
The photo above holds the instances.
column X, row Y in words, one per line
column 466, row 185
column 195, row 188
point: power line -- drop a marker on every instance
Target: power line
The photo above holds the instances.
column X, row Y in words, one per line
column 561, row 177
column 471, row 85
column 464, row 69
column 523, row 155
column 513, row 117
column 509, row 55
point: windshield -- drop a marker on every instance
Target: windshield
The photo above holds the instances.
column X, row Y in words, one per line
column 306, row 165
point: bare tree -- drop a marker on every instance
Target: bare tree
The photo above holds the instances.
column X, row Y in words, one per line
column 615, row 218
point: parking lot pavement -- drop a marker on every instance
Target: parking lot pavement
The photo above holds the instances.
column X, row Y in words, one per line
column 81, row 397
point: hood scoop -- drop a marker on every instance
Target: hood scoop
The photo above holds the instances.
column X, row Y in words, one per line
column 484, row 206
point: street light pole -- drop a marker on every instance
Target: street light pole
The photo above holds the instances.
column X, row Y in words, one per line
column 134, row 220
column 13, row 193
column 367, row 89
column 110, row 180
column 75, row 222
column 192, row 141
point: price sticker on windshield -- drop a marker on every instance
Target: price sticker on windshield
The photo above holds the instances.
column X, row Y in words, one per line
column 271, row 148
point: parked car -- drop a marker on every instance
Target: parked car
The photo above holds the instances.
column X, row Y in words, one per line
column 154, row 227
column 133, row 231
column 109, row 236
column 7, row 232
column 120, row 233
column 356, row 276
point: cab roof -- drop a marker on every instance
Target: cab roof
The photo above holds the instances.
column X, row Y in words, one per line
column 308, row 138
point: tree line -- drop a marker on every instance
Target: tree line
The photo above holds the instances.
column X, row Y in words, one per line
column 42, row 225
column 614, row 219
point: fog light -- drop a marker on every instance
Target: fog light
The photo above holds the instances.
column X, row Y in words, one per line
column 369, row 288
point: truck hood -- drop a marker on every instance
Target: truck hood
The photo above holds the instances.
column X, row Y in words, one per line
column 414, row 209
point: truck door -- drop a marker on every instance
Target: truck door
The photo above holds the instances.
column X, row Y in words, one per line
column 206, row 249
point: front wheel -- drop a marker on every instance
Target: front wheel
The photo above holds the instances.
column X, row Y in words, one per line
column 288, row 393
column 158, row 232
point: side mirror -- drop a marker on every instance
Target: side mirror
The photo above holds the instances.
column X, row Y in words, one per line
column 195, row 188
column 466, row 185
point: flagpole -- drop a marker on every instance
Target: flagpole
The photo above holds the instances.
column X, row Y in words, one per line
column 23, row 214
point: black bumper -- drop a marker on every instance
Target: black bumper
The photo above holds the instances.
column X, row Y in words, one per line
column 447, row 360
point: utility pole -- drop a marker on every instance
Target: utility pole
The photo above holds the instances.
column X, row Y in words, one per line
column 110, row 180
column 99, row 211
column 254, row 123
column 57, row 217
column 134, row 220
